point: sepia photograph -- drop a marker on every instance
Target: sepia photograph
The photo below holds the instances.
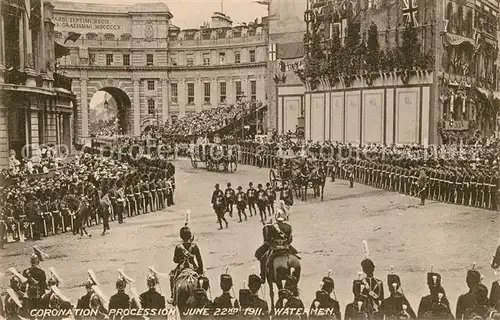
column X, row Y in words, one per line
column 249, row 159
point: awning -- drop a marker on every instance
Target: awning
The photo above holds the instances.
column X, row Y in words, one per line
column 456, row 40
column 60, row 50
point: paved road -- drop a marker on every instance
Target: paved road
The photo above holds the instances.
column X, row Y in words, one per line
column 328, row 234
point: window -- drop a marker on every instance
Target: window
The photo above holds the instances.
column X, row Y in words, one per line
column 109, row 37
column 190, row 59
column 239, row 93
column 236, row 33
column 222, row 57
column 252, row 55
column 174, row 94
column 126, row 59
column 126, row 37
column 173, row 59
column 206, row 59
column 151, row 85
column 253, row 90
column 190, row 93
column 149, row 59
column 222, row 92
column 109, row 59
column 91, row 36
column 251, row 32
column 237, row 57
column 151, row 107
column 206, row 93
column 91, row 59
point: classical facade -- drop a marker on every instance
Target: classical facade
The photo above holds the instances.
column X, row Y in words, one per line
column 36, row 103
column 399, row 72
column 155, row 70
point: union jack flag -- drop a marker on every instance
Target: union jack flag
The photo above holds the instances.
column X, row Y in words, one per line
column 410, row 12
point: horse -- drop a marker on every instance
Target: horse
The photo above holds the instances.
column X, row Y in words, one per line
column 318, row 179
column 281, row 266
column 184, row 286
column 495, row 264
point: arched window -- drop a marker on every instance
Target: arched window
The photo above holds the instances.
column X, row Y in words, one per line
column 151, row 107
column 449, row 17
column 460, row 21
column 126, row 37
column 91, row 36
column 109, row 37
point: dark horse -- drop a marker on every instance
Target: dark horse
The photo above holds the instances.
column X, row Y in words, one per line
column 495, row 264
column 282, row 264
column 184, row 285
column 318, row 179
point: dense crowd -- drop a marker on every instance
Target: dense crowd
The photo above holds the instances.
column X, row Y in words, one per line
column 93, row 187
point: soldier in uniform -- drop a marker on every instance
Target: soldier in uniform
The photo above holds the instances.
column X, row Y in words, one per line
column 373, row 289
column 241, row 203
column 230, row 197
column 422, row 186
column 324, row 301
column 138, row 197
column 359, row 308
column 253, row 300
column 396, row 306
column 286, row 194
column 262, row 201
column 151, row 299
column 251, row 198
column 436, row 304
column 468, row 301
column 225, row 300
column 120, row 300
column 37, row 280
column 219, row 205
column 271, row 198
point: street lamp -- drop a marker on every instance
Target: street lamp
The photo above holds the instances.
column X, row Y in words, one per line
column 106, row 103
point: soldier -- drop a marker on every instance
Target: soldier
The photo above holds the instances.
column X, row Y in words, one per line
column 286, row 194
column 226, row 301
column 373, row 288
column 396, row 306
column 262, row 201
column 271, row 198
column 138, row 197
column 324, row 301
column 241, row 203
column 230, row 194
column 120, row 300
column 253, row 300
column 36, row 280
column 151, row 299
column 469, row 301
column 120, row 202
column 436, row 304
column 359, row 308
column 422, row 185
column 495, row 292
column 251, row 198
column 84, row 301
column 218, row 203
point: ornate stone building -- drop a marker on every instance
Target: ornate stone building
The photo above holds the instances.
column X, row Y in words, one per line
column 35, row 101
column 155, row 70
column 406, row 71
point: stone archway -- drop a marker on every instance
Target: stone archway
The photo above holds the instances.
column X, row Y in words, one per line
column 113, row 115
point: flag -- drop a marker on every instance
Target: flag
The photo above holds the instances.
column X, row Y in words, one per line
column 73, row 36
column 60, row 50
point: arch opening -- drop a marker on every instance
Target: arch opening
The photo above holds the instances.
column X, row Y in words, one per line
column 110, row 113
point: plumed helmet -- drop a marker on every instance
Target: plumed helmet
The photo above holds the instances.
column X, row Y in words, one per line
column 204, row 283
column 151, row 280
column 121, row 283
column 394, row 282
column 226, row 282
column 185, row 233
column 88, row 284
column 368, row 266
column 15, row 283
column 254, row 282
column 433, row 279
column 328, row 284
column 473, row 278
column 357, row 287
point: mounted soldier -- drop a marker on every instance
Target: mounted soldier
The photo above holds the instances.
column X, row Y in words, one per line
column 187, row 256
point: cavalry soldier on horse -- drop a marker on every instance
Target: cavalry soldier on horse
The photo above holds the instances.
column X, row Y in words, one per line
column 187, row 256
column 277, row 238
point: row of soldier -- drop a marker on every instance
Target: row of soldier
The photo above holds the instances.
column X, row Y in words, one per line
column 262, row 197
column 92, row 190
column 34, row 290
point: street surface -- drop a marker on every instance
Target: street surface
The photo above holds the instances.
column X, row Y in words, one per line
column 328, row 235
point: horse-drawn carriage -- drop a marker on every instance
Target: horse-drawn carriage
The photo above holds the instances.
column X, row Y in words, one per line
column 300, row 174
column 216, row 157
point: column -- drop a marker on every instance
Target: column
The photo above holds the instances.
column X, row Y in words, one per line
column 214, row 92
column 137, row 109
column 35, row 141
column 84, row 108
column 164, row 100
column 27, row 31
column 182, row 96
column 198, row 95
column 21, row 44
column 261, row 89
column 42, row 53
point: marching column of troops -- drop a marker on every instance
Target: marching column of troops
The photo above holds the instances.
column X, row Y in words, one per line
column 468, row 176
column 33, row 290
column 93, row 190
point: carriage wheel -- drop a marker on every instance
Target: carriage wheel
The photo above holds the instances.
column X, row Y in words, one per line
column 272, row 178
column 233, row 166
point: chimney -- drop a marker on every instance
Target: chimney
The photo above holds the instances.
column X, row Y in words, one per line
column 220, row 20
